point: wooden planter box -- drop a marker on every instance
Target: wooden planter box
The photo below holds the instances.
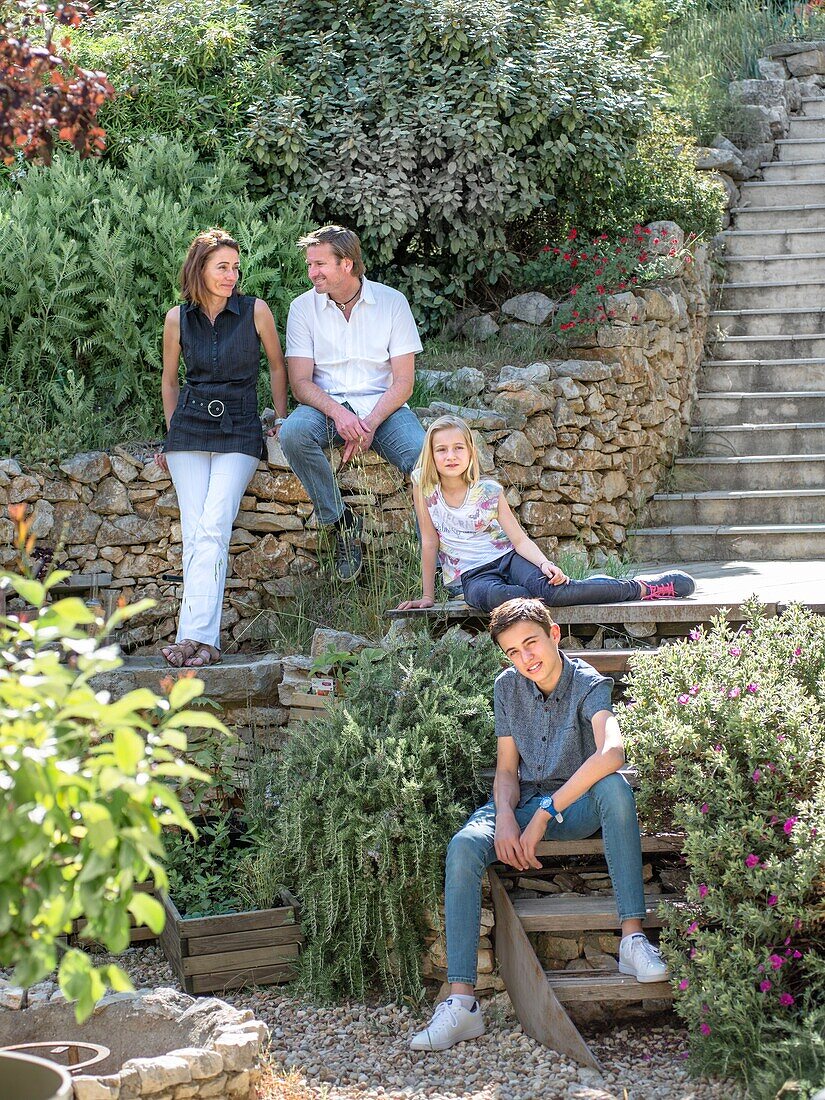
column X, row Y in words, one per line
column 304, row 706
column 137, row 934
column 209, row 954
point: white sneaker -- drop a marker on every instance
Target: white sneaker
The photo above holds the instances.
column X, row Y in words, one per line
column 451, row 1023
column 638, row 956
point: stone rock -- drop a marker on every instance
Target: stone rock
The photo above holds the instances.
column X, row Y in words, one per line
column 339, row 641
column 533, row 374
column 93, row 1088
column 268, row 521
column 132, row 531
column 42, row 519
column 809, row 63
column 111, row 498
column 480, row 328
column 24, row 487
column 551, row 946
column 216, row 1088
column 87, row 468
column 123, row 468
column 433, row 380
column 771, row 70
column 476, row 418
column 275, row 454
column 516, row 448
column 11, row 996
column 585, row 370
column 731, row 190
column 10, row 467
column 159, row 1073
column 758, row 93
column 709, row 159
column 614, row 484
column 282, row 487
column 764, row 124
column 661, row 305
column 486, row 460
column 202, row 1063
column 56, row 489
column 534, row 308
column 539, row 513
column 238, row 1051
column 541, row 431
column 270, row 558
column 74, row 523
column 154, row 474
column 465, row 383
column 665, row 231
column 520, row 403
column 167, row 504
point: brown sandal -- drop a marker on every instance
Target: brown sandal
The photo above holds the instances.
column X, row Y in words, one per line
column 178, row 653
column 204, row 655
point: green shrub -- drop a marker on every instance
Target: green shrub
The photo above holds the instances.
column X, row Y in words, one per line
column 432, row 127
column 367, row 799
column 647, row 19
column 728, row 733
column 89, row 256
column 84, row 791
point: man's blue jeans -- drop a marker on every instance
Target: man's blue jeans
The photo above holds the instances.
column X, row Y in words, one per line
column 307, row 433
column 608, row 805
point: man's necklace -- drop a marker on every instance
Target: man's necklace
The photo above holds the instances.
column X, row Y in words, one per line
column 343, row 305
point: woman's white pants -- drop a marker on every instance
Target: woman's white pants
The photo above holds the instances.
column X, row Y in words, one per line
column 209, row 486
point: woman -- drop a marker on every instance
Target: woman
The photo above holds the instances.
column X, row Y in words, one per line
column 214, row 439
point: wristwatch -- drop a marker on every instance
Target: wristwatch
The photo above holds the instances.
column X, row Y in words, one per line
column 546, row 804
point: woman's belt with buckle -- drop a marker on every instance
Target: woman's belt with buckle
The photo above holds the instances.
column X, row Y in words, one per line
column 216, row 408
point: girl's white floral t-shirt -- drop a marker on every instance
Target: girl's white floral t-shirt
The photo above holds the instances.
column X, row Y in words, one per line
column 470, row 535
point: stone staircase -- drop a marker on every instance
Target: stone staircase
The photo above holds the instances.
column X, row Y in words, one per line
column 752, row 483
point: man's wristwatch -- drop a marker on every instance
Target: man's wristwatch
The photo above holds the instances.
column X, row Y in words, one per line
column 546, row 804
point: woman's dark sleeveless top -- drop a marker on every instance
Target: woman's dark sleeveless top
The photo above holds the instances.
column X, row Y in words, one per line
column 218, row 406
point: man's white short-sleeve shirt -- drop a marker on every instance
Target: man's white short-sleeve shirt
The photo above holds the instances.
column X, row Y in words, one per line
column 352, row 358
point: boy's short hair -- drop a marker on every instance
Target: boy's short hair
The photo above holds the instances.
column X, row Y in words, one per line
column 520, row 610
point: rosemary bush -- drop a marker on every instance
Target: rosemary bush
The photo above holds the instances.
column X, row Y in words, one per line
column 728, row 733
column 89, row 256
column 366, row 799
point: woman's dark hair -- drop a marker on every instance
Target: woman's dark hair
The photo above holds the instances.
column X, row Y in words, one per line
column 191, row 274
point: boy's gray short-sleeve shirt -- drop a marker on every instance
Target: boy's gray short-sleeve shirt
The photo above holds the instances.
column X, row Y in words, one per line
column 553, row 735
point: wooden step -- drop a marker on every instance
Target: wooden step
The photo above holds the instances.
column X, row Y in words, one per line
column 575, row 913
column 604, row 985
column 594, row 845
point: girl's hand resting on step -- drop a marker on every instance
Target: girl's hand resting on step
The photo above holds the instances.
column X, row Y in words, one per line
column 553, row 573
column 410, row 605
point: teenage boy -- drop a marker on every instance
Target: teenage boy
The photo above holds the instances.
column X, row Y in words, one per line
column 559, row 752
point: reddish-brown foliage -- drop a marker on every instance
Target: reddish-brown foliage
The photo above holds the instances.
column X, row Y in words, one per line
column 43, row 96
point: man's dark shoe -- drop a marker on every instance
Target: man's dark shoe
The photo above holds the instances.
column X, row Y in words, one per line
column 349, row 553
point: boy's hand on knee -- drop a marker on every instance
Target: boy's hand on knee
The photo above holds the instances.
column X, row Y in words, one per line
column 508, row 841
column 532, row 835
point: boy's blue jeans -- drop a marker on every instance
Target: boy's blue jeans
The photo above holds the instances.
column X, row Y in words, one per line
column 608, row 805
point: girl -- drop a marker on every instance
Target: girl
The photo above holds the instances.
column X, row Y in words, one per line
column 214, row 440
column 467, row 523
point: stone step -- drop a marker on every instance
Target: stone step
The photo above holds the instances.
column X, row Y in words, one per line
column 581, row 913
column 779, row 217
column 801, row 345
column 760, row 408
column 590, row 986
column 793, row 170
column 771, row 294
column 709, row 472
column 758, row 439
column 813, row 107
column 753, row 376
column 783, row 193
column 763, row 542
column 721, row 508
column 771, row 269
column 240, row 679
column 803, row 128
column 768, row 322
column 773, row 242
column 802, row 146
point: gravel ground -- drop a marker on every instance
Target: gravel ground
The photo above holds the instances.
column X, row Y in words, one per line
column 359, row 1052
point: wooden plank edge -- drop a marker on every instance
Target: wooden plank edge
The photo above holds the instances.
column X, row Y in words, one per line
column 230, row 979
column 239, row 960
column 538, row 1008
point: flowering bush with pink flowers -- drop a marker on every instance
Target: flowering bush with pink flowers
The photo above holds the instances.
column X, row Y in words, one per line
column 727, row 730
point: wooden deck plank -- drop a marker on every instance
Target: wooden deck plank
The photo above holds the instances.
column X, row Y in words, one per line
column 235, row 922
column 594, row 846
column 604, row 985
column 537, row 1007
column 690, row 610
column 238, row 941
column 575, row 913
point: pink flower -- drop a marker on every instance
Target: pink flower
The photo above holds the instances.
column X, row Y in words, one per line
column 766, row 985
column 734, row 693
column 717, row 748
column 703, row 890
column 797, row 924
column 752, row 688
column 734, row 651
column 692, row 927
column 752, row 860
column 797, row 954
column 776, row 961
column 757, row 775
column 786, row 999
column 780, row 737
column 789, row 824
column 694, row 690
column 704, row 1028
column 772, row 900
column 683, row 984
column 703, row 809
column 695, row 634
column 684, row 699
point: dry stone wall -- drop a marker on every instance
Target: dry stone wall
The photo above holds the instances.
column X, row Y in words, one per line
column 579, row 442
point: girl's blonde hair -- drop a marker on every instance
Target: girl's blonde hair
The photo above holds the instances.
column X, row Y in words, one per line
column 425, row 473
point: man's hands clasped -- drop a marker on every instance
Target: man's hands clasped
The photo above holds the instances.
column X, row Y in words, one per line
column 517, row 847
column 356, row 433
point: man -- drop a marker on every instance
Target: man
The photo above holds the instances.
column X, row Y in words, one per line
column 350, row 346
column 559, row 749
